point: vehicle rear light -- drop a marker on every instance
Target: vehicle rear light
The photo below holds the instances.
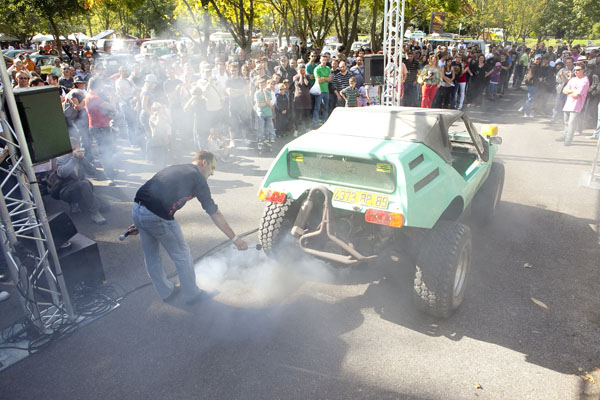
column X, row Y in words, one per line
column 382, row 217
column 272, row 196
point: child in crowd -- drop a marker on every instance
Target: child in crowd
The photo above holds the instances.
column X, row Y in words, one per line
column 351, row 93
column 282, row 111
column 494, row 75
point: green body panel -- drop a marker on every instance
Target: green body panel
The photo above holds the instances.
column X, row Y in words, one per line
column 421, row 208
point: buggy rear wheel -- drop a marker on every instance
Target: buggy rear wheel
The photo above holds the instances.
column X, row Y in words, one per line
column 442, row 269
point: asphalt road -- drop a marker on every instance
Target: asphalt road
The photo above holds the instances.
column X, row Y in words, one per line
column 529, row 327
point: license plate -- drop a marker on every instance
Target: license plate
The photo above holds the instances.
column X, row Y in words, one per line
column 362, row 198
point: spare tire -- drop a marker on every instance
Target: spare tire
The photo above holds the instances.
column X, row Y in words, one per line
column 275, row 224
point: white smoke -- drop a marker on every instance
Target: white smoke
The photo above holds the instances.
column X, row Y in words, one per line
column 251, row 279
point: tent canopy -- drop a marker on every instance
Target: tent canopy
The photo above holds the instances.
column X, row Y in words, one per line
column 79, row 36
column 102, row 35
column 7, row 38
column 44, row 38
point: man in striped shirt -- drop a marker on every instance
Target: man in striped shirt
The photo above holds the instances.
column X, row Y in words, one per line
column 340, row 82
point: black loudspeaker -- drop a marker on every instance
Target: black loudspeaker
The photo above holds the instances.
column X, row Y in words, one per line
column 43, row 121
column 374, row 69
column 81, row 264
column 62, row 228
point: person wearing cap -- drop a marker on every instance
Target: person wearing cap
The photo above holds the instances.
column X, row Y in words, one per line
column 284, row 69
column 576, row 90
column 79, row 127
column 98, row 111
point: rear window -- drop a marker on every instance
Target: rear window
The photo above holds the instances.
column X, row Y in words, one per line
column 342, row 170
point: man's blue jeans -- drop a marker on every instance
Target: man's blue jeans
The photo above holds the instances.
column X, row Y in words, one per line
column 322, row 99
column 155, row 231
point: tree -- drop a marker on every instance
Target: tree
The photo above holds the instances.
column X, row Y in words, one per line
column 56, row 11
column 238, row 17
column 19, row 20
column 346, row 21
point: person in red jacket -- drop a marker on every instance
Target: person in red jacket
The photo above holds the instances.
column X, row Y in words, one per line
column 98, row 111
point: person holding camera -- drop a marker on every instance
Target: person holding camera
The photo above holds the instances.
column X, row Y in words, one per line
column 69, row 183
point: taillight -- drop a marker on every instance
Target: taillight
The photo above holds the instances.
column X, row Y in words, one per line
column 382, row 217
column 272, row 195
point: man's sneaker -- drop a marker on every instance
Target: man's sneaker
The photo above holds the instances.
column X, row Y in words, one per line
column 174, row 292
column 4, row 295
column 111, row 183
column 295, row 133
column 593, row 137
column 560, row 139
column 97, row 218
column 272, row 140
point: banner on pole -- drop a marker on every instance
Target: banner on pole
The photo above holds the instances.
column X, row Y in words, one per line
column 437, row 22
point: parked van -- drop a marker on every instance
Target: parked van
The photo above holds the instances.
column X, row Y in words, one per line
column 157, row 47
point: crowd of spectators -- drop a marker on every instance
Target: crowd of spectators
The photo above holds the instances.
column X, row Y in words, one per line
column 168, row 106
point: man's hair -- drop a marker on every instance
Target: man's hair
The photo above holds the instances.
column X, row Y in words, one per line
column 204, row 155
column 35, row 81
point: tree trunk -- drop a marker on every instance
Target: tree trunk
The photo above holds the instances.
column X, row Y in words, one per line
column 89, row 22
column 56, row 33
column 196, row 25
column 374, row 24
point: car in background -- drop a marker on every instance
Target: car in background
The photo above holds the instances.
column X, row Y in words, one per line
column 45, row 63
column 332, row 48
column 359, row 45
column 13, row 53
column 417, row 35
column 157, row 47
column 387, row 184
column 112, row 62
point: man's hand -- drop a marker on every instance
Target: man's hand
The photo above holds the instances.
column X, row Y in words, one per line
column 132, row 230
column 79, row 153
column 241, row 244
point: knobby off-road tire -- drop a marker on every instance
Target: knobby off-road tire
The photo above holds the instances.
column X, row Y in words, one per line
column 442, row 269
column 274, row 225
column 486, row 200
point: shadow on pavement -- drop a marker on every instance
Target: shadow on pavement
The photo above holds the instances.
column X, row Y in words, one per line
column 532, row 289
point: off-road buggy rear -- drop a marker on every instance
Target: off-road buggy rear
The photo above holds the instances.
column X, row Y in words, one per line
column 379, row 179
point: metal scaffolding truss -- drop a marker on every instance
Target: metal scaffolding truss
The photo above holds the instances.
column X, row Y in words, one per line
column 25, row 234
column 393, row 41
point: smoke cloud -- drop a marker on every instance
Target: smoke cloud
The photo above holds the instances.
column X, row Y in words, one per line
column 251, row 279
